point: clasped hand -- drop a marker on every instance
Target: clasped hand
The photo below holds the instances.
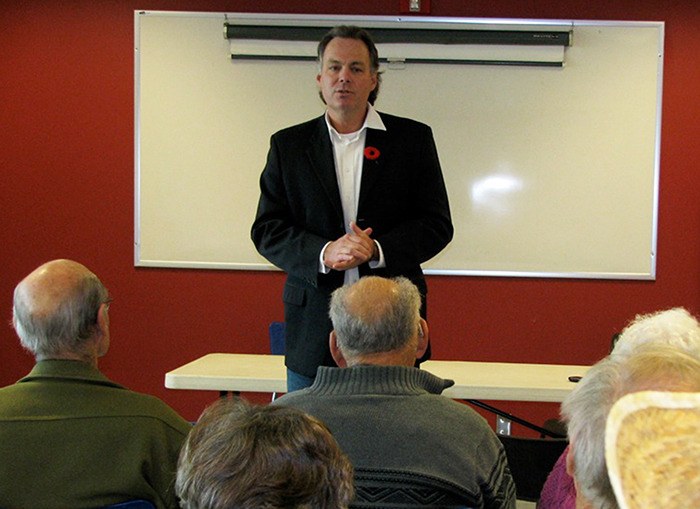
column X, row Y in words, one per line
column 350, row 250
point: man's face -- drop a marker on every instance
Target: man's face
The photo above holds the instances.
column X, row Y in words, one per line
column 346, row 78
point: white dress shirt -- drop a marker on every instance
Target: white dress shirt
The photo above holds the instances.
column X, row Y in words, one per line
column 348, row 153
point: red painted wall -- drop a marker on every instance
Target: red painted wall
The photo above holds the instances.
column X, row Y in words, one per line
column 67, row 161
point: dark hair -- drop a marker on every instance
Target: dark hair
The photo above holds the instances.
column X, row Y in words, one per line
column 246, row 456
column 354, row 32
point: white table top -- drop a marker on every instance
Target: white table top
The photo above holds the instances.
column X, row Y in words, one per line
column 473, row 380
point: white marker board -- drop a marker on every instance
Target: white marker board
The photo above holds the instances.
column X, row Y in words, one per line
column 551, row 172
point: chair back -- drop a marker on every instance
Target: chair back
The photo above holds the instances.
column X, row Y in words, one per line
column 132, row 504
column 395, row 489
column 277, row 335
column 530, row 461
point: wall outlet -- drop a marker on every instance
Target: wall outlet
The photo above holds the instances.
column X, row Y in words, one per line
column 415, row 6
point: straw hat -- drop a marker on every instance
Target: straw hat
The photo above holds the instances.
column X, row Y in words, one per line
column 652, row 450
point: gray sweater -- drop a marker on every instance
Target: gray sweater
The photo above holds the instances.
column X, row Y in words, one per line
column 393, row 417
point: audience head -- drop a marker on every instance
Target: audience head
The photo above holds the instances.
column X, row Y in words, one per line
column 675, row 327
column 360, row 34
column 650, row 367
column 377, row 321
column 246, row 456
column 60, row 312
column 652, row 450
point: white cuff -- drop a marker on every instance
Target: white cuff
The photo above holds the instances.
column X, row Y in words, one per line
column 381, row 263
column 322, row 266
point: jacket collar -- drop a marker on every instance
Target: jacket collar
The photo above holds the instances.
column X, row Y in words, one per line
column 59, row 369
column 320, row 155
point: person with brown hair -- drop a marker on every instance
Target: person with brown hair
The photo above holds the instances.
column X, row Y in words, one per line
column 247, row 456
column 350, row 193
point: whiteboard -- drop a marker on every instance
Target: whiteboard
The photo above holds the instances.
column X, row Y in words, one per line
column 550, row 172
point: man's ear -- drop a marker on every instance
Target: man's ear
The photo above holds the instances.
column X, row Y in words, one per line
column 423, row 338
column 570, row 465
column 103, row 319
column 102, row 337
column 335, row 351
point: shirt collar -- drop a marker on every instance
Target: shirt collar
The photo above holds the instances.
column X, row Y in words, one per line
column 372, row 121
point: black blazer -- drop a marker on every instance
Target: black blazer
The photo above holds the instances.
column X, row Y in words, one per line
column 402, row 197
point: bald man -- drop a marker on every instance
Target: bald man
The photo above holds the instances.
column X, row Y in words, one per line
column 69, row 436
column 387, row 414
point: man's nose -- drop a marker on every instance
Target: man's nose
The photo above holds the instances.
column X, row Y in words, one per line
column 345, row 74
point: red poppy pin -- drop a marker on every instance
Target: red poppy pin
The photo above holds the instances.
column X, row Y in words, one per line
column 371, row 153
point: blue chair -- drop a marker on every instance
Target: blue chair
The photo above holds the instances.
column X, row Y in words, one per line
column 277, row 332
column 132, row 504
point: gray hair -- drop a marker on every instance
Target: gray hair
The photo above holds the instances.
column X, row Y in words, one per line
column 67, row 326
column 675, row 327
column 360, row 332
column 251, row 456
column 360, row 34
column 586, row 408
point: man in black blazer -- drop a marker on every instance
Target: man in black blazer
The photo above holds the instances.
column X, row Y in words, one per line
column 350, row 193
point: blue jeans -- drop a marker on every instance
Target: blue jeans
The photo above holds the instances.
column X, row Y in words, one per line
column 296, row 381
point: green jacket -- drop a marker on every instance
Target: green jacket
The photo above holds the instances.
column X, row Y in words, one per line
column 70, row 437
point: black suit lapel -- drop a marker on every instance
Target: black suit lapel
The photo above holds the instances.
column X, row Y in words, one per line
column 320, row 152
column 373, row 161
